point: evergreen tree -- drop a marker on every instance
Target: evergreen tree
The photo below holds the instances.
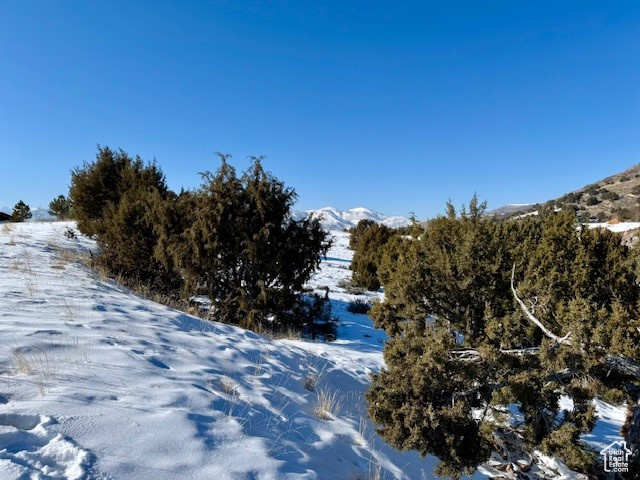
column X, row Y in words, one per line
column 21, row 212
column 241, row 246
column 118, row 199
column 368, row 253
column 101, row 184
column 60, row 207
column 462, row 347
column 357, row 231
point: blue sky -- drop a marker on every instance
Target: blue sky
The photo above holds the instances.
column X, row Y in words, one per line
column 396, row 106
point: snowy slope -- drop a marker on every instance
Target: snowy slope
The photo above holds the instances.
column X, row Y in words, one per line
column 334, row 219
column 96, row 382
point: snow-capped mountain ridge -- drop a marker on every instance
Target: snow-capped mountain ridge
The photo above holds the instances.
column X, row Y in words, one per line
column 334, row 219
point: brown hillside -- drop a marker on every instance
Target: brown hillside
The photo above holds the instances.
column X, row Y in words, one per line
column 616, row 197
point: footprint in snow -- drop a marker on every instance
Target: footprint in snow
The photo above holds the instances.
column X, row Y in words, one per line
column 28, row 449
column 157, row 363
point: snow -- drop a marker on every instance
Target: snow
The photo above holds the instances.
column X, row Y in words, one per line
column 333, row 219
column 96, row 382
column 616, row 227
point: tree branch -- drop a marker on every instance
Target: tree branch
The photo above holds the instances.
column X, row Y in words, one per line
column 531, row 317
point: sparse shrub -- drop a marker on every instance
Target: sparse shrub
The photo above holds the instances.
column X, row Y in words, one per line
column 350, row 288
column 609, row 195
column 592, row 200
column 593, row 189
column 359, row 306
column 625, row 178
column 21, row 212
column 70, row 233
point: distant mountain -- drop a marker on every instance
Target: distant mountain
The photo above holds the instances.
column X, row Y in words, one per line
column 509, row 209
column 40, row 215
column 334, row 219
column 614, row 197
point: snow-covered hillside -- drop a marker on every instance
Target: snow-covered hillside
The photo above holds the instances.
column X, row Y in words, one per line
column 334, row 219
column 98, row 383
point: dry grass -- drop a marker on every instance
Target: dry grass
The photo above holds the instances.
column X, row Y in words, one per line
column 6, row 228
column 64, row 257
column 30, row 287
column 286, row 334
column 38, row 363
column 43, row 361
column 327, row 404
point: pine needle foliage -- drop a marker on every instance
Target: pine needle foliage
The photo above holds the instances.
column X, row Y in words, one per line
column 454, row 326
column 21, row 212
column 60, row 207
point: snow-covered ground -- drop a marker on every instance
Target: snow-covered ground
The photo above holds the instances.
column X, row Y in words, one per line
column 616, row 227
column 96, row 382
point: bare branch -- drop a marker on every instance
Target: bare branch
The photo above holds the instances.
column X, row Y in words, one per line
column 531, row 317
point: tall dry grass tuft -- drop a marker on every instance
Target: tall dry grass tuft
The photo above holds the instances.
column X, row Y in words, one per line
column 327, row 404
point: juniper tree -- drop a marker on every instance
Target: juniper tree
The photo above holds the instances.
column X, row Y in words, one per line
column 462, row 346
column 117, row 199
column 21, row 212
column 101, row 184
column 236, row 241
column 357, row 231
column 368, row 250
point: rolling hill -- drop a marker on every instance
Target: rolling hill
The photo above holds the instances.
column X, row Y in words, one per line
column 616, row 197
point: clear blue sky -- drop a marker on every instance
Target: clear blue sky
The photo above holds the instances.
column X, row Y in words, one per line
column 396, row 106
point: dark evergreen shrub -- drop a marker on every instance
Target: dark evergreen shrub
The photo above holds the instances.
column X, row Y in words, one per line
column 458, row 337
column 592, row 200
column 100, row 185
column 235, row 240
column 120, row 200
column 609, row 195
column 368, row 254
column 357, row 231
